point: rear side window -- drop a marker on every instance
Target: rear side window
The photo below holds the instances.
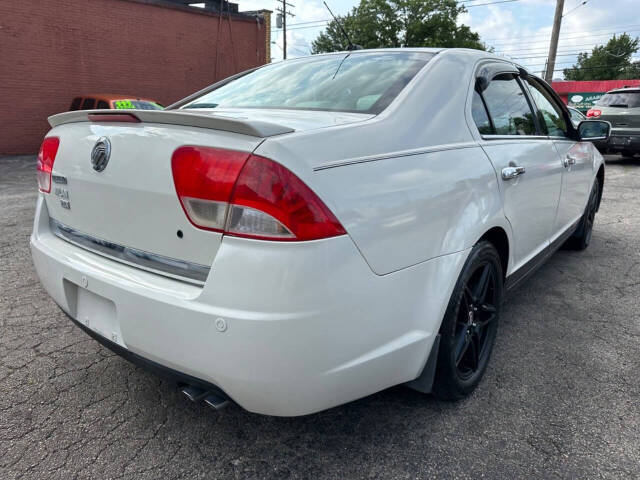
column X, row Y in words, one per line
column 508, row 107
column 75, row 104
column 353, row 82
column 620, row 99
column 102, row 104
column 88, row 104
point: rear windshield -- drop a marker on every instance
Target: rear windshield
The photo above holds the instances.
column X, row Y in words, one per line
column 353, row 82
column 620, row 99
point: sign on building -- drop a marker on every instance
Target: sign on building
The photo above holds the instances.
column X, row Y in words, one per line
column 583, row 101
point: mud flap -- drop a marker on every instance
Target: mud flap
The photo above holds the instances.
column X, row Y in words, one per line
column 424, row 382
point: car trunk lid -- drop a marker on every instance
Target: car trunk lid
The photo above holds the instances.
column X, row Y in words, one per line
column 132, row 203
column 131, row 206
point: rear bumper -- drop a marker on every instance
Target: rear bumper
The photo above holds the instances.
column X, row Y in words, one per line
column 620, row 140
column 282, row 329
column 160, row 370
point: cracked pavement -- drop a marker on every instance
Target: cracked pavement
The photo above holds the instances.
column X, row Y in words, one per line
column 561, row 398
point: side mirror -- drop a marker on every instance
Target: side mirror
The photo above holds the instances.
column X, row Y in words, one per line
column 594, row 130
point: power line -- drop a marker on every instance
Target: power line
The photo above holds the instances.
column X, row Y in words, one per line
column 506, row 44
column 311, row 21
column 543, row 49
column 545, row 56
column 571, row 31
column 596, row 67
column 276, row 30
column 490, row 3
column 573, row 9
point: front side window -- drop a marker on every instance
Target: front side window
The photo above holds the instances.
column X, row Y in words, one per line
column 353, row 82
column 508, row 107
column 549, row 114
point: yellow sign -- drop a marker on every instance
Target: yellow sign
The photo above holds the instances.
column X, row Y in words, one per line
column 124, row 104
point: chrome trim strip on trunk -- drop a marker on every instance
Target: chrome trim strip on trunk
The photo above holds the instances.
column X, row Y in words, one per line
column 171, row 267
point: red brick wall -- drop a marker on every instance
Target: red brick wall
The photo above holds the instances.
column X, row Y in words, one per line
column 53, row 50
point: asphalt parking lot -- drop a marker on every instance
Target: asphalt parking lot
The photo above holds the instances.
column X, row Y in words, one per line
column 561, row 398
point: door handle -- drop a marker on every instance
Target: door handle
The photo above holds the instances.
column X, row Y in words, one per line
column 569, row 160
column 509, row 173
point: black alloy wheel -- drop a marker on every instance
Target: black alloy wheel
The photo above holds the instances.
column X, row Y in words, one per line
column 476, row 315
column 470, row 324
column 582, row 236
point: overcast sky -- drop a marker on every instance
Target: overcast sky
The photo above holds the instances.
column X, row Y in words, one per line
column 520, row 29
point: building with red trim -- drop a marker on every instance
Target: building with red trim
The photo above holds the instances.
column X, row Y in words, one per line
column 588, row 91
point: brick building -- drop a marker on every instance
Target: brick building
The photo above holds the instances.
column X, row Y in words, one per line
column 54, row 50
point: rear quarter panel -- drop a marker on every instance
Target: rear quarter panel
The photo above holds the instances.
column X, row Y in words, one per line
column 406, row 210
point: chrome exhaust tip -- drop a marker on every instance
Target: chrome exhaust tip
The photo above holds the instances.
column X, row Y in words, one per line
column 216, row 401
column 194, row 394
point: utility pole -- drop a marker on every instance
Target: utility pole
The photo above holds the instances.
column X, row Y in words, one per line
column 283, row 15
column 553, row 48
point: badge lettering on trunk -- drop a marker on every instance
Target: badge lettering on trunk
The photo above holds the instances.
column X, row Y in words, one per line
column 63, row 194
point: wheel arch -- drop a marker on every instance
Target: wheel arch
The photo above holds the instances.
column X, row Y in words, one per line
column 500, row 240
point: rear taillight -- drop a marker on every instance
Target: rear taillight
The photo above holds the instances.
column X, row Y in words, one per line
column 46, row 157
column 594, row 112
column 248, row 196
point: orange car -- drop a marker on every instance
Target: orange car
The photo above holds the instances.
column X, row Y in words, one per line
column 119, row 102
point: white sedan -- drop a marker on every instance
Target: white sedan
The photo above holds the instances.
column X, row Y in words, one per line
column 313, row 231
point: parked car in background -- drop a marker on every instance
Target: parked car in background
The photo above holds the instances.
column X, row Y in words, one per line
column 111, row 101
column 309, row 232
column 576, row 116
column 620, row 107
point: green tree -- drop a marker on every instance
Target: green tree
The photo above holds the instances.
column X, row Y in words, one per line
column 607, row 62
column 403, row 23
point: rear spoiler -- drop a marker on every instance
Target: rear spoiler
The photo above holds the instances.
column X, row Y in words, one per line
column 254, row 128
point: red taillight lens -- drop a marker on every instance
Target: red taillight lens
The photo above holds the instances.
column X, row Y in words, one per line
column 46, row 157
column 204, row 178
column 248, row 196
column 270, row 190
column 594, row 112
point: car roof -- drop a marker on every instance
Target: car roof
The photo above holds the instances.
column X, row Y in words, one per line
column 625, row 90
column 462, row 52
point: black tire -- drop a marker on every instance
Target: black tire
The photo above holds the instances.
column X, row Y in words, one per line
column 470, row 324
column 582, row 236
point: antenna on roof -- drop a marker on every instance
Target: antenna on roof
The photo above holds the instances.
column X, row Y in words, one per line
column 351, row 46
